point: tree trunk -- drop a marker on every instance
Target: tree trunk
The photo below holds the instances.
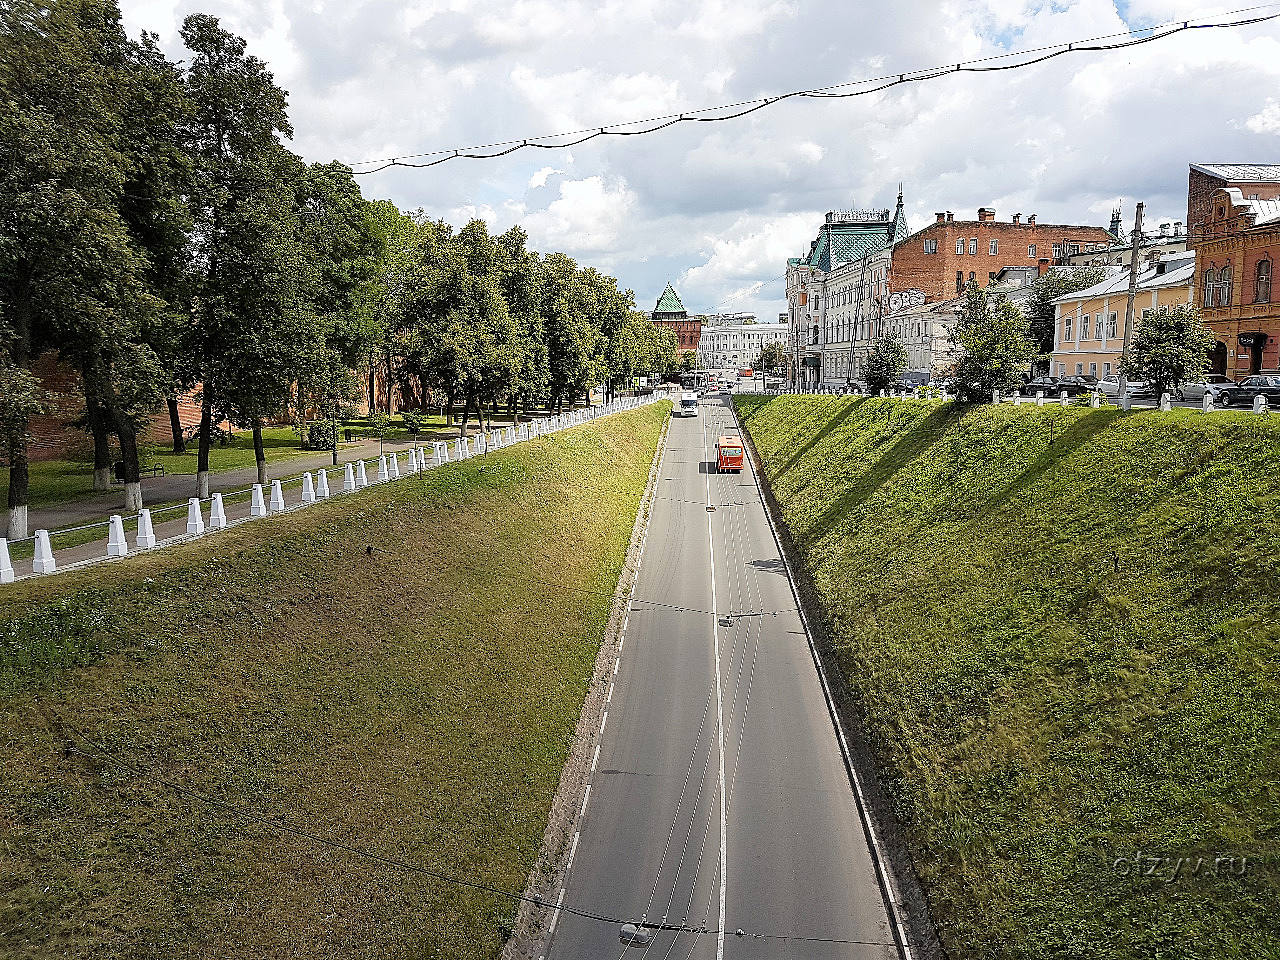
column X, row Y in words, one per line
column 466, row 415
column 128, row 435
column 19, row 479
column 448, row 422
column 202, row 455
column 100, row 428
column 175, row 426
column 388, row 387
column 259, row 454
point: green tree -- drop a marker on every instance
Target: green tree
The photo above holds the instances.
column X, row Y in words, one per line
column 688, row 361
column 773, row 357
column 1039, row 309
column 886, row 363
column 238, row 117
column 994, row 341
column 1170, row 346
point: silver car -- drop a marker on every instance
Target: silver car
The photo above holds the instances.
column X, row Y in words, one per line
column 1212, row 384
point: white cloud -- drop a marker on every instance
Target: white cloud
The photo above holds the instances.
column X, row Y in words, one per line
column 589, row 215
column 1267, row 120
column 539, row 178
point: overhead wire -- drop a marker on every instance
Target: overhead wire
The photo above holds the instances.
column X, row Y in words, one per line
column 1138, row 36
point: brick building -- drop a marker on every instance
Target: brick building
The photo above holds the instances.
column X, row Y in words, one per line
column 1255, row 181
column 669, row 312
column 1236, row 255
column 940, row 260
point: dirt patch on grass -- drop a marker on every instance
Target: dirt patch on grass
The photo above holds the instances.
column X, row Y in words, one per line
column 206, row 749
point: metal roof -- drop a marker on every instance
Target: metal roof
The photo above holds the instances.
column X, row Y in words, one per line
column 669, row 302
column 1180, row 269
column 1243, row 172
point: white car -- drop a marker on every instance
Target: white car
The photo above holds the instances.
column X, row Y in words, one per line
column 1134, row 388
column 1211, row 383
column 688, row 405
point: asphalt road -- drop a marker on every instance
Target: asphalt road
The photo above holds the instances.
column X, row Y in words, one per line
column 719, row 798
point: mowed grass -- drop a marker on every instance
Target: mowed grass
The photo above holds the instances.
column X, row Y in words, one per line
column 399, row 671
column 1062, row 627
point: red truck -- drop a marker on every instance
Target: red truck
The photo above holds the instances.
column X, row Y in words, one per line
column 729, row 455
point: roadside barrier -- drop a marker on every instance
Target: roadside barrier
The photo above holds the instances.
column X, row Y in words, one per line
column 308, row 488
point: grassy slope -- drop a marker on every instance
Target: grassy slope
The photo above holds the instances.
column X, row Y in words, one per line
column 417, row 701
column 1063, row 628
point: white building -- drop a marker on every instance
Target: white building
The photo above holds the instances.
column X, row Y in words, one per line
column 737, row 345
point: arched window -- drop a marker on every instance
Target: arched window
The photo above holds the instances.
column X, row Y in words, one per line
column 1210, row 277
column 1262, row 282
column 1224, row 286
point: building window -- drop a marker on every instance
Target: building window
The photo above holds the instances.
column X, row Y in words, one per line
column 1031, row 250
column 1106, row 369
column 959, row 281
column 1093, row 369
column 959, row 246
column 1066, row 327
column 971, row 277
column 1209, row 278
column 1262, row 282
column 993, row 247
column 931, row 246
column 973, row 247
column 1057, row 251
column 1079, row 369
column 1224, row 286
column 991, row 277
column 1113, row 325
column 1097, row 326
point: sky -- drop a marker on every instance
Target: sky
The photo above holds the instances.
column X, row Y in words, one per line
column 717, row 208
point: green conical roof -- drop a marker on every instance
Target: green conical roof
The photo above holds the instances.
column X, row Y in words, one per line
column 669, row 302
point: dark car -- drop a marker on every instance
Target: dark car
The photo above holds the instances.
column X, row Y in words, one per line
column 1049, row 385
column 1077, row 385
column 1242, row 394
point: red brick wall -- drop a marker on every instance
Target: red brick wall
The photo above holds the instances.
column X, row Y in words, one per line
column 934, row 274
column 688, row 332
column 1243, row 251
column 1200, row 200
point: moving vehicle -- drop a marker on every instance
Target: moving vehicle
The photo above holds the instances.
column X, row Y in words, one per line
column 1212, row 383
column 688, row 405
column 1258, row 385
column 695, row 380
column 729, row 455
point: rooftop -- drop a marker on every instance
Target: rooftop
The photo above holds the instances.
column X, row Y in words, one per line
column 1243, row 172
column 668, row 304
column 1171, row 270
column 1264, row 211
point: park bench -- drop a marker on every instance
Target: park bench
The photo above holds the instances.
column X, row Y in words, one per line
column 154, row 470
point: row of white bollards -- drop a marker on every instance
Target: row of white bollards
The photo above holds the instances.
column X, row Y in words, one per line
column 355, row 477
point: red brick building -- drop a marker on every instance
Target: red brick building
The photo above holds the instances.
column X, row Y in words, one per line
column 941, row 259
column 669, row 312
column 1255, row 181
column 1235, row 264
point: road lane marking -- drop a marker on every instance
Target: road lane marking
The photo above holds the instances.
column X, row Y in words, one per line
column 583, row 811
column 715, row 639
column 596, row 758
column 615, row 666
column 609, row 696
column 603, row 721
column 573, row 851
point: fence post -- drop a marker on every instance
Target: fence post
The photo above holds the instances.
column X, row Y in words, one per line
column 1095, row 400
column 6, row 565
column 393, row 462
column 322, row 484
column 217, row 515
column 117, row 545
column 43, row 562
column 257, row 505
column 195, row 519
column 277, row 497
column 1166, row 402
column 1260, row 404
column 349, row 480
column 1039, row 398
column 146, row 539
column 362, row 478
column 308, row 488
column 382, row 469
column 995, row 396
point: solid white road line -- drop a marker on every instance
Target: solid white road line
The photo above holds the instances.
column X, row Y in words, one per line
column 583, row 812
column 715, row 638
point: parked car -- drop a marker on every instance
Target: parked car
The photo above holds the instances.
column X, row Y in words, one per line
column 1077, row 385
column 1212, row 384
column 1134, row 388
column 1047, row 385
column 1242, row 394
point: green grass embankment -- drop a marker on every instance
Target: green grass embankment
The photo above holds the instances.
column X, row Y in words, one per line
column 400, row 671
column 1062, row 627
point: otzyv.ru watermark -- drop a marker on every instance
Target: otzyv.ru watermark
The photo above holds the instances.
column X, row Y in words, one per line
column 1169, row 869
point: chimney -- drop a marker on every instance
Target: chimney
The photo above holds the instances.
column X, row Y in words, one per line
column 941, row 217
column 1042, row 265
column 1165, row 229
column 986, row 214
column 1031, row 220
column 1115, row 222
column 1017, row 218
column 950, row 216
column 1177, row 228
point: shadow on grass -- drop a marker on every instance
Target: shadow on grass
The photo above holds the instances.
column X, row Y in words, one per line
column 915, row 444
column 1060, row 447
column 825, row 429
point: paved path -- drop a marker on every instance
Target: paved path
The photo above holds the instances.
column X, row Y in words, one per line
column 719, row 798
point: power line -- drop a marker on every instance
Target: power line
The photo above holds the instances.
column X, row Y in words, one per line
column 831, row 91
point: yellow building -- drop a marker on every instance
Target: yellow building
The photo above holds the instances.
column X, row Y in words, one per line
column 1088, row 333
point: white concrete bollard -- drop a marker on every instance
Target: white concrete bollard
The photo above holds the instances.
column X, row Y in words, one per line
column 43, row 562
column 511, row 434
column 195, row 519
column 1206, row 402
column 349, row 479
column 277, row 497
column 995, row 396
column 1126, row 402
column 1017, row 399
column 362, row 478
column 117, row 545
column 146, row 538
column 257, row 505
column 459, row 449
column 322, row 484
column 422, row 456
column 383, row 473
column 6, row 565
column 1166, row 402
column 1095, row 400
column 394, row 463
column 440, row 452
column 411, row 461
column 1039, row 398
column 308, row 488
column 217, row 513
column 1063, row 399
column 1260, row 404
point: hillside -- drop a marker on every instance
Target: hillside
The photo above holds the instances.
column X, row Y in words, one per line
column 1062, row 628
column 399, row 672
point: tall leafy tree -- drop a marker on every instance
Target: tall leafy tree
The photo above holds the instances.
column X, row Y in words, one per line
column 1039, row 308
column 1170, row 346
column 995, row 343
column 238, row 116
column 886, row 363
